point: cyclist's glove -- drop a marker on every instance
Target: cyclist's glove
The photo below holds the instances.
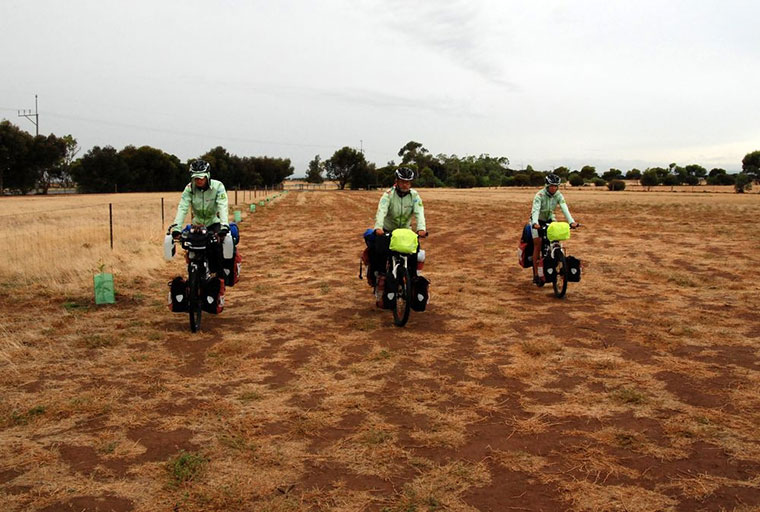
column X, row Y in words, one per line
column 176, row 234
column 224, row 232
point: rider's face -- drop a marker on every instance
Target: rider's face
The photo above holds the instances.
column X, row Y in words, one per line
column 200, row 182
column 552, row 189
column 404, row 185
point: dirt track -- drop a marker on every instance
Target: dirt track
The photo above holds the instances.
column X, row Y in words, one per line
column 639, row 391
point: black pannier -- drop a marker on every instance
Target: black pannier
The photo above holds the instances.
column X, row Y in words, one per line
column 178, row 295
column 573, row 269
column 389, row 291
column 420, row 293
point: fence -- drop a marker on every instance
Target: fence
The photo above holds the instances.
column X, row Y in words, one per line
column 66, row 235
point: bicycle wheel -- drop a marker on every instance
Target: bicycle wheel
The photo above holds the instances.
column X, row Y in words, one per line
column 403, row 297
column 195, row 299
column 560, row 281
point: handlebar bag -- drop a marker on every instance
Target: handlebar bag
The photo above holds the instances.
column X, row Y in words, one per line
column 404, row 241
column 558, row 231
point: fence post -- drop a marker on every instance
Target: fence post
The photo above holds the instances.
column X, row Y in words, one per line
column 162, row 213
column 110, row 221
column 236, row 189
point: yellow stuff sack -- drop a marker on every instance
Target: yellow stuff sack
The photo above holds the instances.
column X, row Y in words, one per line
column 404, row 241
column 558, row 231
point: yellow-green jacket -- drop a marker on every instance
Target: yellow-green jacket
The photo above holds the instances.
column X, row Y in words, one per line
column 395, row 212
column 209, row 206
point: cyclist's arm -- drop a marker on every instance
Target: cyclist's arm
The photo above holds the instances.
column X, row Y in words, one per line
column 536, row 209
column 223, row 206
column 382, row 211
column 566, row 210
column 183, row 207
column 419, row 213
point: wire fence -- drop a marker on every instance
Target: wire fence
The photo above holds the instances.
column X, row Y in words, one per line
column 62, row 236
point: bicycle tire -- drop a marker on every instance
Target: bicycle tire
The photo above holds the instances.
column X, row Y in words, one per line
column 403, row 297
column 195, row 299
column 560, row 281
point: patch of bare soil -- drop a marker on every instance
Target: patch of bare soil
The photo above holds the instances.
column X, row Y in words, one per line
column 639, row 391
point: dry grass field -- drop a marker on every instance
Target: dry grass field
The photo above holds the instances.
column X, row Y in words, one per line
column 640, row 391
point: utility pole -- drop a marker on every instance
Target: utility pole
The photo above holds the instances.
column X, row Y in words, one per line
column 28, row 114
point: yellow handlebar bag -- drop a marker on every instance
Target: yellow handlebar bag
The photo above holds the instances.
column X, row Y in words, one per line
column 558, row 231
column 404, row 241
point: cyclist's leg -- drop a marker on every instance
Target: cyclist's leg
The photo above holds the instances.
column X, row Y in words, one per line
column 215, row 253
column 536, row 234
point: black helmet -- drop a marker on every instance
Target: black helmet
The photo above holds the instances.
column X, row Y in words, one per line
column 200, row 169
column 553, row 179
column 404, row 173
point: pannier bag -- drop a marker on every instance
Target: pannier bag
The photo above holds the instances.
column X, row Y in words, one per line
column 369, row 237
column 525, row 249
column 379, row 289
column 178, row 295
column 525, row 254
column 548, row 268
column 573, row 269
column 420, row 293
column 212, row 293
column 404, row 241
column 389, row 291
column 558, row 231
column 231, row 268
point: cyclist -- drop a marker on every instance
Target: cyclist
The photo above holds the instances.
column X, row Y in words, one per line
column 542, row 213
column 208, row 199
column 394, row 211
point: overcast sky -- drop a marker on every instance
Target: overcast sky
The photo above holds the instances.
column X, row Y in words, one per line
column 601, row 82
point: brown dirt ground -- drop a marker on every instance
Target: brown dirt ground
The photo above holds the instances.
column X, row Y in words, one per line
column 639, row 391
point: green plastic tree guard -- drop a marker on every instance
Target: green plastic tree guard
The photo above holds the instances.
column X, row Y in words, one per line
column 238, row 216
column 104, row 292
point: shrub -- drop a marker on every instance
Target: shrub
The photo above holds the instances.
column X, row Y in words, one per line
column 598, row 182
column 576, row 180
column 616, row 185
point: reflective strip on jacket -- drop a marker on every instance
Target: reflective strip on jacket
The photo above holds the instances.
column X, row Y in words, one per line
column 395, row 212
column 209, row 206
column 544, row 206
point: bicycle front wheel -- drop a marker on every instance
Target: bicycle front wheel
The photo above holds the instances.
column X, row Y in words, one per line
column 403, row 297
column 195, row 299
column 560, row 282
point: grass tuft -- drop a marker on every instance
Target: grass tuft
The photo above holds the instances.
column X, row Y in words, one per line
column 186, row 467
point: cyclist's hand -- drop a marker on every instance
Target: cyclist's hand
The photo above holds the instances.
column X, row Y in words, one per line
column 379, row 232
column 176, row 234
column 574, row 225
column 223, row 232
column 536, row 226
column 422, row 233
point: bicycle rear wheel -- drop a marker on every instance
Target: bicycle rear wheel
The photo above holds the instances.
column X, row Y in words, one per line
column 560, row 282
column 194, row 285
column 403, row 297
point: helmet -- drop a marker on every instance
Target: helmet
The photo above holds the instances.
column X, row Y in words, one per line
column 553, row 179
column 405, row 174
column 200, row 169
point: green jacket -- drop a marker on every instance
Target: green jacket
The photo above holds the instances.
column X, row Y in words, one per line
column 395, row 212
column 209, row 206
column 544, row 206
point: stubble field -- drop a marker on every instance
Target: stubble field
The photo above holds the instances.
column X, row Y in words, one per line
column 640, row 391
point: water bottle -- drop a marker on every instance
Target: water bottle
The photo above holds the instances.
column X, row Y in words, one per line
column 421, row 260
column 228, row 247
column 168, row 247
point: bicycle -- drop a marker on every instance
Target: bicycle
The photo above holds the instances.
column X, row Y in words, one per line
column 196, row 241
column 399, row 293
column 553, row 253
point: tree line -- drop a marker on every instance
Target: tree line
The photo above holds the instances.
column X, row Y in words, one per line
column 348, row 167
column 37, row 163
